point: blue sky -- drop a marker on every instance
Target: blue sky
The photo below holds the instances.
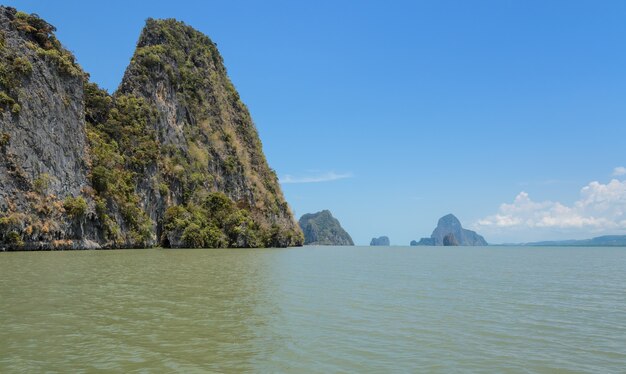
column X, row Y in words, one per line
column 509, row 114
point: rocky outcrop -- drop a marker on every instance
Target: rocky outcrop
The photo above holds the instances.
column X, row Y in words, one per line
column 322, row 228
column 172, row 158
column 381, row 241
column 450, row 232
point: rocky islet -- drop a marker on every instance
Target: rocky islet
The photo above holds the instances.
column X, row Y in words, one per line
column 450, row 232
column 322, row 228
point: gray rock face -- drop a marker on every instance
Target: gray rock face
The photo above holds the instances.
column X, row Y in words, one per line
column 449, row 226
column 381, row 241
column 322, row 228
column 43, row 143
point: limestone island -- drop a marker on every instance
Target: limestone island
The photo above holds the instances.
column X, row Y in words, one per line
column 449, row 232
column 381, row 241
column 322, row 228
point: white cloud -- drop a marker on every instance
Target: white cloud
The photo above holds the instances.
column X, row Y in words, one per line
column 619, row 171
column 325, row 177
column 601, row 208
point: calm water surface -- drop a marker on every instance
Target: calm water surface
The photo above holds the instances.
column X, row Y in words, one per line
column 318, row 310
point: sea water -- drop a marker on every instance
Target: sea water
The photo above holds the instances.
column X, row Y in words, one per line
column 315, row 310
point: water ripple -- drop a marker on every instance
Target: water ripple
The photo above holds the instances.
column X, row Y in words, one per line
column 315, row 310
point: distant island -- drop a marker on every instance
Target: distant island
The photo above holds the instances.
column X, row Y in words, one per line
column 599, row 241
column 322, row 228
column 449, row 232
column 381, row 241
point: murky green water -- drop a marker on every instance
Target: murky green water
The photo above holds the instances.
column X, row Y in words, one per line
column 318, row 310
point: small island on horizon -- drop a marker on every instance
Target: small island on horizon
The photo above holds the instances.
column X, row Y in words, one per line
column 381, row 241
column 450, row 232
column 322, row 228
column 598, row 241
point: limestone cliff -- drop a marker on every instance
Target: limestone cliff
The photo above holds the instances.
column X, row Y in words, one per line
column 172, row 158
column 322, row 228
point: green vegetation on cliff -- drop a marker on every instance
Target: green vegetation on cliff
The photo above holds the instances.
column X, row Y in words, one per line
column 217, row 222
column 42, row 39
column 121, row 147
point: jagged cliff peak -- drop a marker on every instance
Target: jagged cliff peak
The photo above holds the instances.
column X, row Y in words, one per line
column 203, row 125
column 171, row 158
